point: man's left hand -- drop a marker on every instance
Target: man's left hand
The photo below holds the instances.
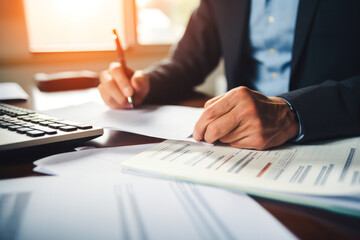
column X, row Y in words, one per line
column 246, row 119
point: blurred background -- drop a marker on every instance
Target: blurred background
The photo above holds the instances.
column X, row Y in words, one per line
column 71, row 35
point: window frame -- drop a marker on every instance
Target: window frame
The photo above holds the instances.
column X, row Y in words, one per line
column 130, row 31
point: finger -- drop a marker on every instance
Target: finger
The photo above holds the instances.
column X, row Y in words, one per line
column 112, row 89
column 107, row 98
column 210, row 114
column 121, row 79
column 108, row 89
column 213, row 100
column 241, row 131
column 222, row 126
column 104, row 76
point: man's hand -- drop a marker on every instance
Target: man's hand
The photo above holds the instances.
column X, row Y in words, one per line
column 246, row 119
column 115, row 86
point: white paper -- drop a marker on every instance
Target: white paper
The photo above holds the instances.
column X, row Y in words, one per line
column 330, row 168
column 12, row 91
column 94, row 162
column 349, row 205
column 130, row 208
column 167, row 122
column 44, row 101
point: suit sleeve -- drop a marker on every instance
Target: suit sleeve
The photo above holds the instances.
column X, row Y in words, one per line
column 328, row 110
column 190, row 61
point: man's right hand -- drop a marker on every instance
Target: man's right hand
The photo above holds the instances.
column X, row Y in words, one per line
column 115, row 86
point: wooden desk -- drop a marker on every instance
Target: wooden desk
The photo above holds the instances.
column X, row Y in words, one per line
column 304, row 222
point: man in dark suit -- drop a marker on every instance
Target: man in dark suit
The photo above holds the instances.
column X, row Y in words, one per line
column 307, row 89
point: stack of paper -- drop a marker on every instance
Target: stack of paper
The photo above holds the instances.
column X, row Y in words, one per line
column 322, row 174
column 129, row 208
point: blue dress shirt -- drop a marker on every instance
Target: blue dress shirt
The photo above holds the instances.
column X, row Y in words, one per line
column 272, row 28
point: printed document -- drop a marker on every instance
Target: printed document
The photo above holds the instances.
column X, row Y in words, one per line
column 167, row 122
column 323, row 169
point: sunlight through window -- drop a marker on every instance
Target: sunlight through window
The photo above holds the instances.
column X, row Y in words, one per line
column 86, row 25
column 162, row 21
column 72, row 25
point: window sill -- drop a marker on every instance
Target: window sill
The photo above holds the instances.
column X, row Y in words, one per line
column 138, row 51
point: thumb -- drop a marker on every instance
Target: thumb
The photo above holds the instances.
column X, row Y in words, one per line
column 138, row 81
column 141, row 85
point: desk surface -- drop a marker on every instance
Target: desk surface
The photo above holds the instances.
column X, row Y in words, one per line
column 304, row 222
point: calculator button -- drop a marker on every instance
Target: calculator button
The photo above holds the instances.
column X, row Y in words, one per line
column 45, row 123
column 28, row 125
column 56, row 125
column 35, row 133
column 23, row 130
column 46, row 130
column 14, row 127
column 68, row 128
column 36, row 120
column 83, row 126
column 5, row 124
column 27, row 119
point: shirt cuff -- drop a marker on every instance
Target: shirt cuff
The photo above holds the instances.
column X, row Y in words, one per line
column 301, row 133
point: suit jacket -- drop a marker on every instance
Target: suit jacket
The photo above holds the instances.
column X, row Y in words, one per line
column 325, row 69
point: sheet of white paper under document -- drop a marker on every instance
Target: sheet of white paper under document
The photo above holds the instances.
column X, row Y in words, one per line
column 12, row 91
column 167, row 122
column 92, row 162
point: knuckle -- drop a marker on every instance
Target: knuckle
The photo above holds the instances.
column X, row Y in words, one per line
column 114, row 69
column 251, row 109
column 113, row 65
column 207, row 103
column 241, row 91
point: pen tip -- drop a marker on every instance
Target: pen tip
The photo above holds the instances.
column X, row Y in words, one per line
column 114, row 34
column 131, row 102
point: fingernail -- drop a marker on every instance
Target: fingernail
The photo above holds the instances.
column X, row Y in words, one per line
column 127, row 91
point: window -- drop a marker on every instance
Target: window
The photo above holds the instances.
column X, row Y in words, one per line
column 162, row 21
column 86, row 25
column 72, row 25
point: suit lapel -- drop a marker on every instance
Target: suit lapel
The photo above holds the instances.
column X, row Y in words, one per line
column 306, row 13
